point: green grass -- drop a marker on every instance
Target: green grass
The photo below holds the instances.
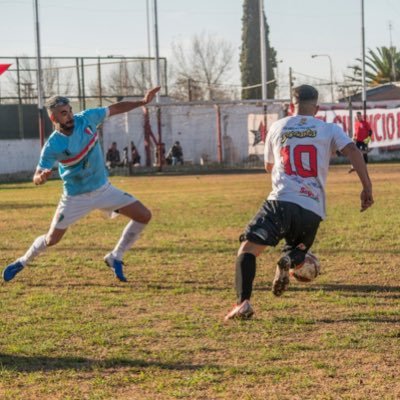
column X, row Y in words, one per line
column 69, row 330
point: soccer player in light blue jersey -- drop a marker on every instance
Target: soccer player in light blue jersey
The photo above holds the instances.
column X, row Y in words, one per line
column 75, row 146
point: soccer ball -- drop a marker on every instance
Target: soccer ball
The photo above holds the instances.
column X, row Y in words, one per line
column 307, row 271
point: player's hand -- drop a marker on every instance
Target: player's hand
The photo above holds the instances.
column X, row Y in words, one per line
column 149, row 96
column 41, row 176
column 366, row 199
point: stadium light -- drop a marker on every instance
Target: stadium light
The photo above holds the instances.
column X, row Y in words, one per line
column 330, row 70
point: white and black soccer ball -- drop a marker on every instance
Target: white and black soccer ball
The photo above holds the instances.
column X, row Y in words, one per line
column 307, row 271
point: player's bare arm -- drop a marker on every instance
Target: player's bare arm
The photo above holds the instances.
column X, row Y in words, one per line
column 356, row 159
column 125, row 106
column 41, row 175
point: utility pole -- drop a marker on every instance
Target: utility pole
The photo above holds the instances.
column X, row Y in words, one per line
column 39, row 76
column 290, row 83
column 392, row 51
column 364, row 90
column 263, row 51
column 190, row 92
column 159, row 144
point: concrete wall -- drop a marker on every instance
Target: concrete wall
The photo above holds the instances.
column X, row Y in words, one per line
column 19, row 156
column 195, row 127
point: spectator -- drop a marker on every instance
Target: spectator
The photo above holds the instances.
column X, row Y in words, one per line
column 113, row 158
column 135, row 155
column 125, row 159
column 176, row 154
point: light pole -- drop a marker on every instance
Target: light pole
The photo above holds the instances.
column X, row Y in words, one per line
column 330, row 69
column 263, row 51
column 39, row 75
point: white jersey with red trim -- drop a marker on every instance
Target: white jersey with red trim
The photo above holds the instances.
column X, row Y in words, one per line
column 79, row 155
column 300, row 147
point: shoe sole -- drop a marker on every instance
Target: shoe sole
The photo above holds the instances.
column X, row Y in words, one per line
column 281, row 283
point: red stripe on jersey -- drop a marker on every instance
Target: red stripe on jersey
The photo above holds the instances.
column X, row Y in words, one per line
column 74, row 160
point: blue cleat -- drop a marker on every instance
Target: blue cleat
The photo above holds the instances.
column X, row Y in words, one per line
column 116, row 266
column 11, row 270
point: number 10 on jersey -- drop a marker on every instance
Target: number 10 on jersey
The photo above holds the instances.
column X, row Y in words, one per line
column 294, row 161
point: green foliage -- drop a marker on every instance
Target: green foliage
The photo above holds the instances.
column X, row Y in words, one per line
column 250, row 61
column 381, row 66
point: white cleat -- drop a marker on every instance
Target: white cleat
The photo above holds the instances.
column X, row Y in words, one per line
column 243, row 310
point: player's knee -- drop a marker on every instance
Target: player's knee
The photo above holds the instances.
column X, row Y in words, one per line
column 145, row 216
column 250, row 248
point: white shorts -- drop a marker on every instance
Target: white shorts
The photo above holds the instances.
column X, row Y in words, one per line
column 72, row 208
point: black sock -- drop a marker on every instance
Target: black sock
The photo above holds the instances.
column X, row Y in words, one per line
column 297, row 256
column 245, row 273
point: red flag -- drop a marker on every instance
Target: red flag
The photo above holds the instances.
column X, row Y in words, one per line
column 4, row 67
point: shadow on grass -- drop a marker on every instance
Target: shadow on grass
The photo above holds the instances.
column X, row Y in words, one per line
column 351, row 320
column 339, row 287
column 136, row 284
column 43, row 363
column 28, row 206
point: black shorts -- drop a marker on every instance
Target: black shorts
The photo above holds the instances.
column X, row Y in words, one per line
column 363, row 147
column 277, row 220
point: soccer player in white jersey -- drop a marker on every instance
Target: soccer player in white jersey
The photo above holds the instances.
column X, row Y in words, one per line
column 75, row 146
column 297, row 152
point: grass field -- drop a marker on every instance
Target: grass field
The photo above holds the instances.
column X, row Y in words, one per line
column 69, row 330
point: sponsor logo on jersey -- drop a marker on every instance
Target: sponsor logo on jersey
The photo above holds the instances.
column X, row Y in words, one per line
column 305, row 191
column 298, row 134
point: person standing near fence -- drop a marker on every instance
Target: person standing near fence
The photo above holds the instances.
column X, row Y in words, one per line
column 75, row 146
column 362, row 136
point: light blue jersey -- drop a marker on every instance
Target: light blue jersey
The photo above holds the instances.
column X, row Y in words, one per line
column 81, row 162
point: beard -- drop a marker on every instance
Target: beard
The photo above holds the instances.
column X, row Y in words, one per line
column 68, row 126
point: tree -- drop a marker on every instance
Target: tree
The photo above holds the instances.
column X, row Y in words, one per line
column 250, row 60
column 201, row 68
column 381, row 66
column 129, row 78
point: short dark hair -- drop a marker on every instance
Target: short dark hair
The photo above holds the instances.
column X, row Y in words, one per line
column 359, row 112
column 56, row 101
column 304, row 93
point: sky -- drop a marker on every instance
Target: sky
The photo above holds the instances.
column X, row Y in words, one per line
column 298, row 29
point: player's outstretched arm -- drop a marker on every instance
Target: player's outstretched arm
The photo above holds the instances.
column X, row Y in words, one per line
column 125, row 106
column 41, row 175
column 354, row 155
